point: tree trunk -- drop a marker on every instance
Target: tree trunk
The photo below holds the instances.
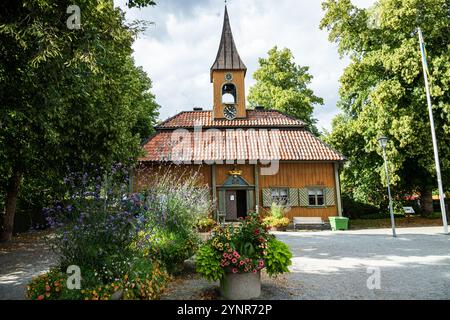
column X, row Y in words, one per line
column 426, row 201
column 11, row 201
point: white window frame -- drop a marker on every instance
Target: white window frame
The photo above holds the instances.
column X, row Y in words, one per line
column 316, row 192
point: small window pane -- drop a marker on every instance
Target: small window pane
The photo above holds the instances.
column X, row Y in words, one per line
column 320, row 200
column 315, row 197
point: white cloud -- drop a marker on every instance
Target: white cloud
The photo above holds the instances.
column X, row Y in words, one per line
column 178, row 50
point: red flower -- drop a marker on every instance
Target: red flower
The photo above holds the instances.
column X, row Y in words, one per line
column 41, row 297
column 256, row 232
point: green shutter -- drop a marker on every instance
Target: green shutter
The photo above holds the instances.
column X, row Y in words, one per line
column 221, row 206
column 329, row 196
column 303, row 200
column 250, row 200
column 267, row 197
column 293, row 197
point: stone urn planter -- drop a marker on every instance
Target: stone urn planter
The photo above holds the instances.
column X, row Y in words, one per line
column 241, row 286
column 205, row 236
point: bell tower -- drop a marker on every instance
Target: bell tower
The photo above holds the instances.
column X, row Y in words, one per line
column 227, row 76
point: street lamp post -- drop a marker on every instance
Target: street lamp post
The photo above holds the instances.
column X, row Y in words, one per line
column 383, row 141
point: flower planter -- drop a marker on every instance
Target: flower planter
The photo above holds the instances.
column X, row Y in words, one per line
column 204, row 236
column 241, row 286
column 338, row 223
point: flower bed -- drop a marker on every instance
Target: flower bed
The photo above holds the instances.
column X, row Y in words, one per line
column 125, row 245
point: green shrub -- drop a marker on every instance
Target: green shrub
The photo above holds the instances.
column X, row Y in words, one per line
column 175, row 203
column 172, row 249
column 277, row 258
column 276, row 218
column 207, row 263
column 355, row 209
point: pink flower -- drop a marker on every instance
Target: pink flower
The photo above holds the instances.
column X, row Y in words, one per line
column 230, row 250
column 225, row 255
column 261, row 263
column 234, row 270
column 241, row 262
column 234, row 260
column 254, row 271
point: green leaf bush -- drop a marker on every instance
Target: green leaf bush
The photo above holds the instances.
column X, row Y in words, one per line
column 208, row 263
column 278, row 257
column 276, row 217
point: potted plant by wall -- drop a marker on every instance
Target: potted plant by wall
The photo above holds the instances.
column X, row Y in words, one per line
column 276, row 219
column 236, row 256
column 204, row 227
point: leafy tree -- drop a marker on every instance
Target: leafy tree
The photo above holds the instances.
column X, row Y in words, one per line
column 69, row 97
column 283, row 85
column 382, row 93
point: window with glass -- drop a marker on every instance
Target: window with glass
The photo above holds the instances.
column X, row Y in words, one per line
column 315, row 197
column 280, row 196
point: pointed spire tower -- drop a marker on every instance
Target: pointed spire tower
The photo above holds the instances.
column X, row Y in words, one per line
column 227, row 75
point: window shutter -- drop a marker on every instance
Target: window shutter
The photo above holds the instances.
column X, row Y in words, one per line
column 329, row 196
column 222, row 202
column 267, row 197
column 303, row 200
column 250, row 200
column 293, row 197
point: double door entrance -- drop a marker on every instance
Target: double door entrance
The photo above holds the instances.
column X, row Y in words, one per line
column 236, row 204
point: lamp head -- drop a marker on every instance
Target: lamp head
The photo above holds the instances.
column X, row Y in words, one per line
column 383, row 141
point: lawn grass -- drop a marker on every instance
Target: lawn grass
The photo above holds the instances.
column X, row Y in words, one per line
column 400, row 221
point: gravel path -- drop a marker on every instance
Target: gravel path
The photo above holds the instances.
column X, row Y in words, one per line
column 335, row 265
column 27, row 256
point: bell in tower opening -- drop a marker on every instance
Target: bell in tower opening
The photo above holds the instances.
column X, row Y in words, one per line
column 227, row 75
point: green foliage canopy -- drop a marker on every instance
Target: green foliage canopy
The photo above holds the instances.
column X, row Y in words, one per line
column 382, row 93
column 281, row 84
column 69, row 97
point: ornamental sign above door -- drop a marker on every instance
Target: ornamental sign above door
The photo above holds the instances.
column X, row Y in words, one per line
column 235, row 180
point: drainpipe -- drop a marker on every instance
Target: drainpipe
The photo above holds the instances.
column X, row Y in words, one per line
column 338, row 188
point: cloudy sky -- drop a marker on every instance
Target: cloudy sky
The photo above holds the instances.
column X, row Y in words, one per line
column 180, row 47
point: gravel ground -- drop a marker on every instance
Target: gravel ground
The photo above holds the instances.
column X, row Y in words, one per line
column 335, row 265
column 27, row 256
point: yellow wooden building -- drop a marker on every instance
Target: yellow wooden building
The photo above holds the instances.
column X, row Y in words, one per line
column 248, row 158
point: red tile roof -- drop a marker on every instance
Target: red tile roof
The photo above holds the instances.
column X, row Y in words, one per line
column 238, row 144
column 254, row 119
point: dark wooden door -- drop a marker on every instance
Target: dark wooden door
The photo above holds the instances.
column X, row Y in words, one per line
column 231, row 206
